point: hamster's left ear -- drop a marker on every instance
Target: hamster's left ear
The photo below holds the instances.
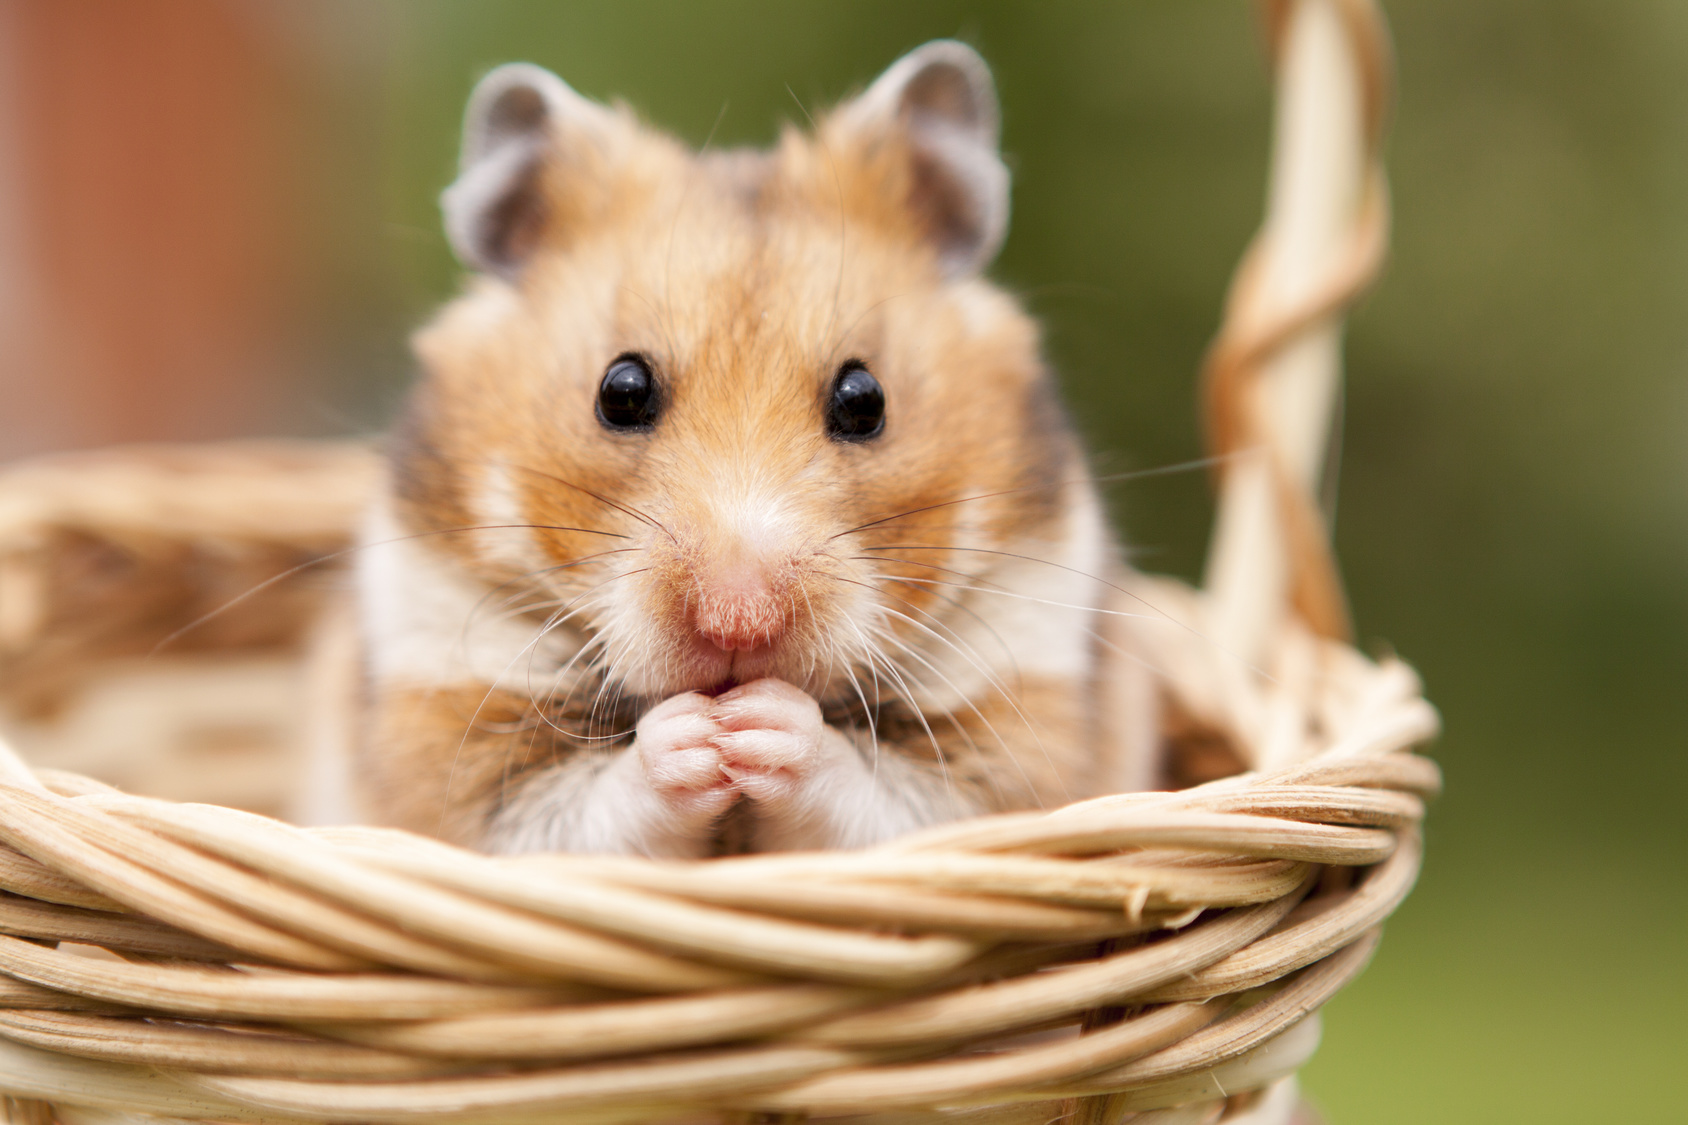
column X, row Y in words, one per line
column 520, row 119
column 940, row 101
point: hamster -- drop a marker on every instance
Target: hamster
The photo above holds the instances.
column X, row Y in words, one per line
column 734, row 508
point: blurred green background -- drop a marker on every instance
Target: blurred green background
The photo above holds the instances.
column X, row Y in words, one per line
column 1514, row 498
column 1514, row 495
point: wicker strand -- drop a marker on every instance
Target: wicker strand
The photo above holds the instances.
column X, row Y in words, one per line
column 1273, row 374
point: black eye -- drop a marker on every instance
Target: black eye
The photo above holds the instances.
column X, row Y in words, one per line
column 856, row 411
column 627, row 398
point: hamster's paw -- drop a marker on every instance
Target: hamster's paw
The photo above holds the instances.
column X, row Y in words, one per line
column 773, row 741
column 674, row 741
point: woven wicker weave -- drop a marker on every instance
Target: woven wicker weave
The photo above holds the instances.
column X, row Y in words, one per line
column 1109, row 960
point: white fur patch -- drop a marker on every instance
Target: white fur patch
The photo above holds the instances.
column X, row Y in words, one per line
column 1029, row 617
column 428, row 624
column 866, row 797
column 498, row 508
column 592, row 803
column 983, row 308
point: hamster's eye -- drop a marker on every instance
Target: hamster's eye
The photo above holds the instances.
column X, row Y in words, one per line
column 856, row 411
column 627, row 398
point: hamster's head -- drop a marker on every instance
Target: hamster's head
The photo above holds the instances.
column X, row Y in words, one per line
column 735, row 414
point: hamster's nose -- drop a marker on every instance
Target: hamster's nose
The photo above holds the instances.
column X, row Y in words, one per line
column 737, row 607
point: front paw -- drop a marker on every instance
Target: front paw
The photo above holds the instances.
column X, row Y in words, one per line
column 772, row 741
column 675, row 744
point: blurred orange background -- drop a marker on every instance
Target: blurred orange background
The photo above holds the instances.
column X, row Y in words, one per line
column 162, row 215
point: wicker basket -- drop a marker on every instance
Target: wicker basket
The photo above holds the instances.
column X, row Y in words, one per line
column 1152, row 957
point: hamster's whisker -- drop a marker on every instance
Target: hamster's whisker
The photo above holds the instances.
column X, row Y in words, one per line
column 592, row 719
column 624, row 509
column 599, row 709
column 952, row 600
column 870, row 650
column 474, row 718
column 961, row 730
column 814, row 654
column 1003, row 591
column 1092, row 630
column 596, row 643
column 1109, row 478
column 539, row 713
column 866, row 655
column 990, row 727
column 590, row 651
column 557, row 619
column 336, row 556
column 542, row 709
column 905, row 528
column 1027, row 598
column 927, row 508
column 967, row 653
column 508, row 608
column 901, row 677
column 593, row 674
column 510, row 767
column 867, row 716
column 1158, row 614
column 925, row 566
column 471, row 725
column 1059, row 605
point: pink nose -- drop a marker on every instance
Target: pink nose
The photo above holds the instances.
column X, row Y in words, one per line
column 737, row 609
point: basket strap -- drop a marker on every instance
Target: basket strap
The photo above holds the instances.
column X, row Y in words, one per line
column 1272, row 379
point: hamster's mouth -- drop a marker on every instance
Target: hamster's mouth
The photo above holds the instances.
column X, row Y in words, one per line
column 711, row 670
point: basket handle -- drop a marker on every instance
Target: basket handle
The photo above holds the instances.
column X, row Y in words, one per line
column 1272, row 379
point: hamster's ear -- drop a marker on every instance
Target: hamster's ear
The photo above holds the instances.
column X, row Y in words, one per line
column 940, row 101
column 518, row 118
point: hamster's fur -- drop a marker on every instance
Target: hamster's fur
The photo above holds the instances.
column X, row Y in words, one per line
column 732, row 626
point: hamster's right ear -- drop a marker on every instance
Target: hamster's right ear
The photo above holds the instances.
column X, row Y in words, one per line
column 939, row 101
column 520, row 118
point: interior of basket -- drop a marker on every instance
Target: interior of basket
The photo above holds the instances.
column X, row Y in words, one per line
column 150, row 640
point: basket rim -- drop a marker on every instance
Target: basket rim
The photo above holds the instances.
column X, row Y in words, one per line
column 619, row 977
